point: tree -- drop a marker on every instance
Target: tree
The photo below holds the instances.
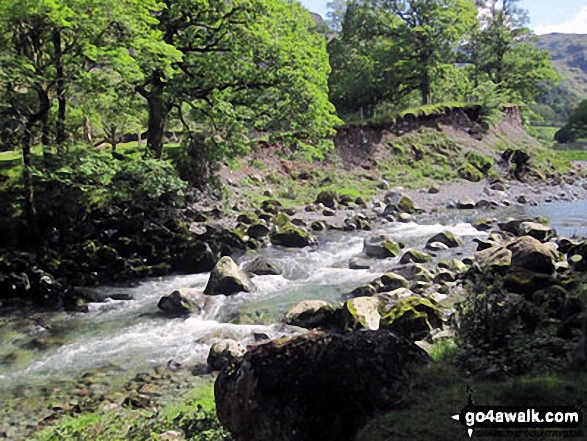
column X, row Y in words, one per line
column 407, row 43
column 49, row 45
column 576, row 126
column 504, row 52
column 248, row 67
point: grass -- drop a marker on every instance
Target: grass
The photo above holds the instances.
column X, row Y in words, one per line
column 440, row 392
column 194, row 414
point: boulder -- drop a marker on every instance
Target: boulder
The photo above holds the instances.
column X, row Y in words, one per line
column 316, row 386
column 291, row 236
column 446, row 238
column 398, row 203
column 380, row 246
column 182, row 302
column 413, row 272
column 258, row 231
column 390, row 282
column 223, row 353
column 227, row 278
column 528, row 253
column 328, row 198
column 362, row 313
column 528, row 227
column 413, row 256
column 469, row 173
column 527, row 282
column 262, row 267
column 310, row 314
column 497, row 259
column 466, row 203
column 413, row 317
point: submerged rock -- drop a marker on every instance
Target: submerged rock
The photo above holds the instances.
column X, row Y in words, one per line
column 182, row 302
column 226, row 278
column 262, row 267
column 316, row 386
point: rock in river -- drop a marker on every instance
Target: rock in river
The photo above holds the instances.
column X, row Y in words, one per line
column 227, row 278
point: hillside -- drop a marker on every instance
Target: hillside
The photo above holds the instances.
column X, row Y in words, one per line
column 569, row 55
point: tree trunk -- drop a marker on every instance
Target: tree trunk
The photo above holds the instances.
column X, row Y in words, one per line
column 29, row 194
column 425, row 89
column 157, row 113
column 156, row 128
column 61, row 98
column 87, row 130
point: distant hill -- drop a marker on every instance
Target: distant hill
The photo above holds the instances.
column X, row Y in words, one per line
column 569, row 56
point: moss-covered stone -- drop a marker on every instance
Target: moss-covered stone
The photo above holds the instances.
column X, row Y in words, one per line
column 413, row 317
column 470, row 173
column 292, row 237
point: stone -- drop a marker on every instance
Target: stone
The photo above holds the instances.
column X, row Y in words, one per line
column 529, row 253
column 528, row 227
column 446, row 238
column 434, row 189
column 465, row 203
column 380, row 246
column 469, row 173
column 291, row 236
column 328, row 198
column 223, row 353
column 328, row 213
column 183, row 301
column 316, row 386
column 227, row 278
column 498, row 259
column 310, row 314
column 484, row 224
column 362, row 313
column 398, row 203
column 258, row 231
column 526, row 282
column 262, row 267
column 198, row 258
column 413, row 256
column 413, row 318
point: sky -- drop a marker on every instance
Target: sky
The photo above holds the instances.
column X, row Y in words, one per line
column 546, row 16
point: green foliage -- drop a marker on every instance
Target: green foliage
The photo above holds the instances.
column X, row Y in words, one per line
column 83, row 180
column 195, row 418
column 576, row 126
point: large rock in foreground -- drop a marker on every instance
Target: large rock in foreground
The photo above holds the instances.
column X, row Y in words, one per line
column 227, row 278
column 316, row 386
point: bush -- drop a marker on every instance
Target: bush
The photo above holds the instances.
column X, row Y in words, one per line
column 84, row 180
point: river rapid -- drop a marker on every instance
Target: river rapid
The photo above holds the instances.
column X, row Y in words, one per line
column 41, row 351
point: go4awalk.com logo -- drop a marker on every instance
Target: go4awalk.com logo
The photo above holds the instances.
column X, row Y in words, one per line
column 516, row 417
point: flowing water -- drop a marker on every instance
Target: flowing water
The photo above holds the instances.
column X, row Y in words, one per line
column 131, row 336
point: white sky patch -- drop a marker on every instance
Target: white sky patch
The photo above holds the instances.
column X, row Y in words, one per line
column 576, row 25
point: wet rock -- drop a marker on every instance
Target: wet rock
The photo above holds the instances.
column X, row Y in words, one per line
column 262, row 267
column 182, row 302
column 316, row 386
column 398, row 203
column 358, row 263
column 414, row 272
column 413, row 256
column 484, row 224
column 380, row 246
column 328, row 213
column 224, row 353
column 292, row 237
column 484, row 203
column 446, row 238
column 198, row 258
column 310, row 314
column 319, row 226
column 226, row 278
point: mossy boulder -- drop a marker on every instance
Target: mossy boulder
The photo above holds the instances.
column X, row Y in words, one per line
column 380, row 246
column 446, row 238
column 227, row 278
column 480, row 162
column 258, row 231
column 362, row 313
column 529, row 227
column 413, row 256
column 291, row 236
column 197, row 258
column 328, row 198
column 413, row 317
column 469, row 173
column 398, row 203
column 182, row 302
column 527, row 282
column 497, row 259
